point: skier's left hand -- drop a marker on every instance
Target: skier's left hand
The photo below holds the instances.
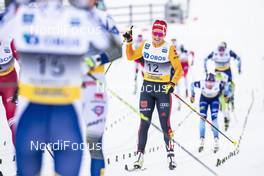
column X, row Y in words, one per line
column 169, row 88
column 128, row 35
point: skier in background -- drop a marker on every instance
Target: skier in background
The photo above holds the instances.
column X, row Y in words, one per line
column 187, row 60
column 210, row 92
column 222, row 57
column 8, row 81
column 49, row 103
column 139, row 63
column 225, row 100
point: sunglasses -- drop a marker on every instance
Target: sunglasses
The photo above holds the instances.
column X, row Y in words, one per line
column 158, row 34
column 221, row 49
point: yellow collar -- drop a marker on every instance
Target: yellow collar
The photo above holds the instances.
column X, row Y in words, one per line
column 158, row 45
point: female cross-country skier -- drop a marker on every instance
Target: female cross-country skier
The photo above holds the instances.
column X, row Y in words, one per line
column 210, row 92
column 159, row 58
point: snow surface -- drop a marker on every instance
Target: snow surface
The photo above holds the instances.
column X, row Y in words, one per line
column 240, row 24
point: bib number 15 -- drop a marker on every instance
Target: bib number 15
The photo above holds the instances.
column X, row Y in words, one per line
column 51, row 65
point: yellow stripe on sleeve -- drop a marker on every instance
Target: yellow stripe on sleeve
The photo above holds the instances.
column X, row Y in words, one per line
column 176, row 64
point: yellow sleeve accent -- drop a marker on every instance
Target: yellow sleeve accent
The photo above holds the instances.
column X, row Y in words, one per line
column 134, row 54
column 99, row 69
column 176, row 64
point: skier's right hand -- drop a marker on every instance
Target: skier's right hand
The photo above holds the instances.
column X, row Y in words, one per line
column 192, row 99
column 128, row 35
column 169, row 88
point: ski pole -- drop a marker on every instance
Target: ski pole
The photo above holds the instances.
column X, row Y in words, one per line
column 108, row 67
column 155, row 126
column 202, row 117
column 183, row 148
column 49, row 152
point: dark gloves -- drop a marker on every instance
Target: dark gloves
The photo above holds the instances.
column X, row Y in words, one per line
column 128, row 35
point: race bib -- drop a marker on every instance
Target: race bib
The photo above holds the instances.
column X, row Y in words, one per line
column 157, row 66
column 50, row 79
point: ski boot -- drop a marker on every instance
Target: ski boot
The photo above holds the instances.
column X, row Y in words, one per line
column 226, row 121
column 201, row 147
column 171, row 161
column 139, row 162
column 216, row 145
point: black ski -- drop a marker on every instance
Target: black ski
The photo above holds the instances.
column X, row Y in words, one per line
column 133, row 169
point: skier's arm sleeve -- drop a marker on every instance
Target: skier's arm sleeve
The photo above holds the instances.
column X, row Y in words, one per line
column 115, row 51
column 13, row 48
column 134, row 54
column 193, row 85
column 206, row 60
column 176, row 64
column 100, row 41
column 236, row 57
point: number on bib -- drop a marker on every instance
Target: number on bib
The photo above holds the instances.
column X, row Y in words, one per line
column 51, row 65
column 153, row 68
